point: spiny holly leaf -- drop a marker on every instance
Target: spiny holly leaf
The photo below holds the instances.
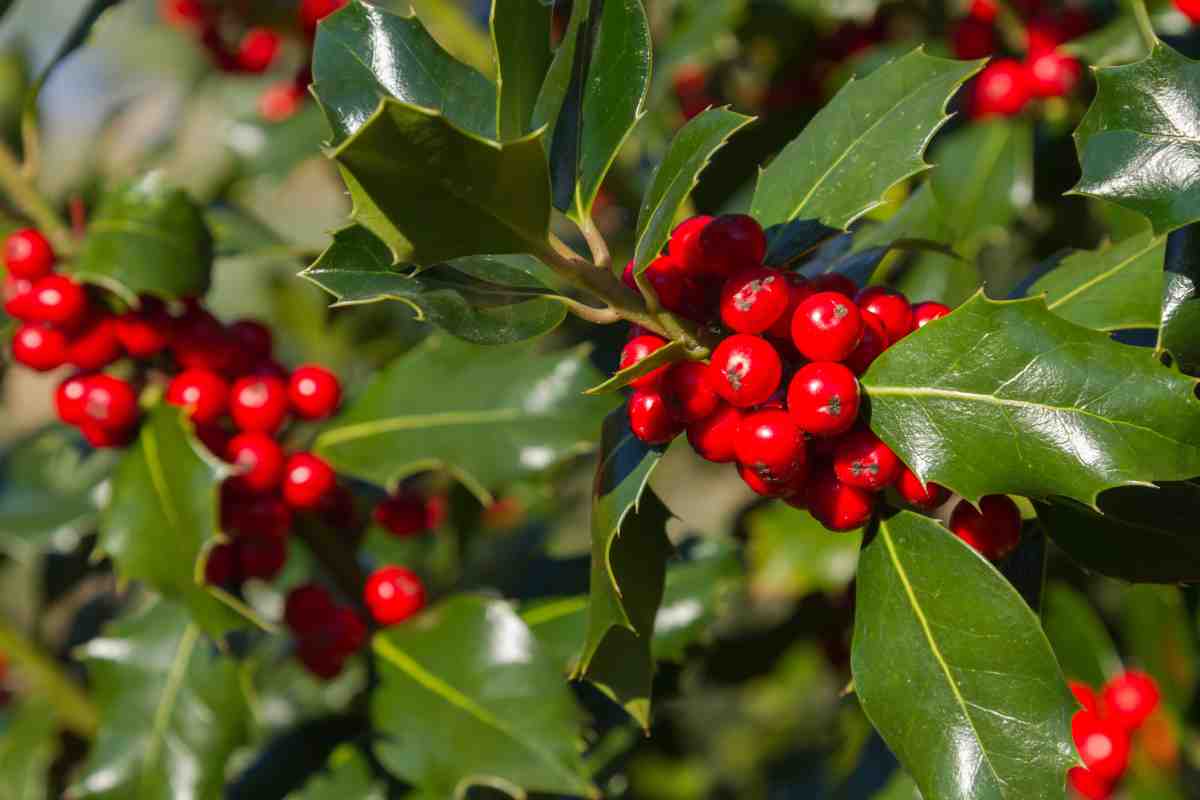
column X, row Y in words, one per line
column 1157, row 628
column 172, row 710
column 1145, row 534
column 953, row 670
column 1180, row 331
column 559, row 106
column 489, row 415
column 162, row 514
column 1006, row 397
column 871, row 136
column 521, row 38
column 1117, row 287
column 690, row 152
column 468, row 697
column 669, row 353
column 28, row 746
column 629, row 554
column 363, row 54
column 435, row 192
column 147, row 237
column 792, row 555
column 1085, row 650
column 482, row 299
column 1139, row 143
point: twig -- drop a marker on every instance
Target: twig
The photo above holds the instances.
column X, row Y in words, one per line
column 1144, row 25
column 596, row 244
column 32, row 204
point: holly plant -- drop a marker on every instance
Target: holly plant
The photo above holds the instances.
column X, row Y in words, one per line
column 611, row 398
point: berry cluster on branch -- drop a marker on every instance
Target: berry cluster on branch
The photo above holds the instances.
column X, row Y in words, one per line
column 1103, row 727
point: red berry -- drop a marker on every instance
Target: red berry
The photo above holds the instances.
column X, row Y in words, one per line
column 205, row 394
column 184, row 14
column 58, row 300
column 220, row 567
column 892, row 309
column 253, row 338
column 752, row 300
column 827, row 327
column 823, row 398
column 259, row 403
column 109, row 403
column 100, row 437
column 246, row 513
column 307, row 481
column 407, row 513
column 834, row 504
column 1088, row 784
column 1043, row 34
column 18, row 298
column 689, row 80
column 1130, row 698
column 745, row 370
column 28, row 255
column 144, row 333
column 69, row 399
column 925, row 313
column 860, row 459
column 313, row 11
column 874, row 341
column 1084, row 695
column 984, row 10
column 627, row 276
column 636, row 350
column 1189, row 8
column 799, row 290
column 666, row 277
column 200, row 341
column 1102, row 743
column 39, row 347
column 258, row 49
column 308, row 607
column 686, row 390
column 685, row 244
column 280, row 101
column 973, row 38
column 1052, row 73
column 715, row 437
column 314, row 392
column 770, row 444
column 350, row 632
column 764, row 487
column 994, row 529
column 833, row 282
column 732, row 242
column 96, row 346
column 1001, row 89
column 320, row 656
column 261, row 557
column 259, row 457
column 393, row 594
column 650, row 417
column 927, row 497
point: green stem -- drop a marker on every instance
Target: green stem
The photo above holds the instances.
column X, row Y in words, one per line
column 32, row 204
column 1145, row 27
column 74, row 708
column 1012, row 27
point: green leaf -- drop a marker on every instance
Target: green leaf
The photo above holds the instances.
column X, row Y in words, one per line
column 363, row 53
column 348, row 777
column 1180, row 327
column 791, row 555
column 435, row 192
column 695, row 592
column 629, row 554
column 521, row 37
column 489, row 415
column 871, row 136
column 678, row 173
column 147, row 237
column 1058, row 409
column 172, row 710
column 559, row 106
column 1139, row 143
column 163, row 513
column 1158, row 631
column 1114, row 288
column 1145, row 534
column 482, row 299
column 1085, row 650
column 466, row 697
column 953, row 670
column 669, row 353
column 28, row 746
column 1120, row 41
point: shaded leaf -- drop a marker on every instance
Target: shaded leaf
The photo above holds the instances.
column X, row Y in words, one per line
column 1158, row 631
column 1059, row 409
column 468, row 697
column 28, row 746
column 488, row 415
column 289, row 760
column 559, row 106
column 172, row 710
column 1180, row 331
column 1085, row 650
column 793, row 240
column 147, row 237
column 971, row 701
column 871, row 136
column 695, row 590
column 521, row 38
column 791, row 555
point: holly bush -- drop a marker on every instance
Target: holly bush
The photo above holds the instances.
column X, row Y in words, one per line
column 658, row 399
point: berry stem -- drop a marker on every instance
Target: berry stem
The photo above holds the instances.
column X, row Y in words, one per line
column 1011, row 27
column 596, row 243
column 74, row 707
column 1144, row 25
column 29, row 200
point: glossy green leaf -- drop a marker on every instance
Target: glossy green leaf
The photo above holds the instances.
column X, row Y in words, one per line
column 1179, row 334
column 921, row 216
column 1059, row 409
column 1139, row 144
column 1160, row 638
column 871, row 136
column 678, row 173
column 172, row 710
column 162, row 515
column 468, row 697
column 28, row 746
column 1114, row 288
column 1145, row 534
column 482, row 299
column 488, row 415
column 669, row 353
column 559, row 106
column 1085, row 650
column 434, row 191
column 629, row 555
column 953, row 670
column 147, row 237
column 364, row 53
column 791, row 555
column 1119, row 41
column 521, row 38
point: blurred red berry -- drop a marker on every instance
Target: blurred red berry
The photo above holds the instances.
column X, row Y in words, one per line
column 58, row 300
column 1088, row 784
column 314, row 392
column 39, row 347
column 308, row 607
column 259, row 403
column 260, row 459
column 973, row 38
column 1130, row 698
column 313, row 11
column 69, row 399
column 204, row 393
column 257, row 50
column 28, row 255
column 1102, row 743
column 96, row 345
column 307, row 481
column 1002, row 89
column 393, row 594
column 261, row 557
column 220, row 567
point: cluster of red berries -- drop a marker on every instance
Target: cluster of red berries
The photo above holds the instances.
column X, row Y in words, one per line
column 1102, row 730
column 254, row 48
column 780, row 396
column 1007, row 85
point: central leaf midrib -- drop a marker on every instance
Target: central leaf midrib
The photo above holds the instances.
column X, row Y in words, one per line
column 1105, row 275
column 445, row 419
column 171, row 688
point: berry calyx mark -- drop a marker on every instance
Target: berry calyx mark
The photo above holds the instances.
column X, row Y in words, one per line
column 833, row 408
